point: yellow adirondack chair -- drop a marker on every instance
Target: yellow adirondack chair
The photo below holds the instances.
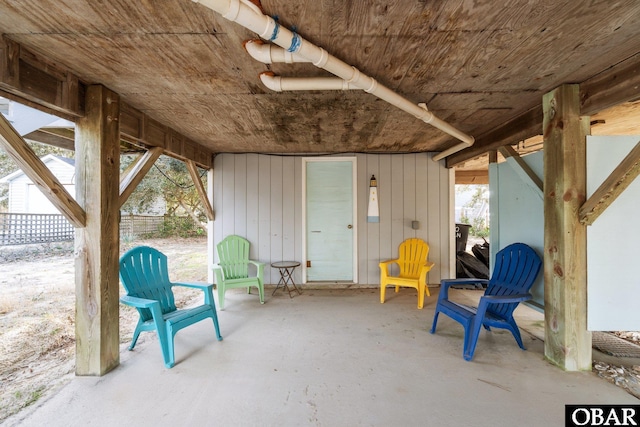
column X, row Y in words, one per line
column 413, row 264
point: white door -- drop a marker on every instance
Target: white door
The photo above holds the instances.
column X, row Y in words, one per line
column 330, row 227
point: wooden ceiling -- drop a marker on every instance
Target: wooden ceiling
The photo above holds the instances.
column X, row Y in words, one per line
column 480, row 65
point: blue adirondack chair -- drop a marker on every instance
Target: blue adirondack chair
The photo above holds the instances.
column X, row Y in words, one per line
column 233, row 269
column 145, row 276
column 515, row 269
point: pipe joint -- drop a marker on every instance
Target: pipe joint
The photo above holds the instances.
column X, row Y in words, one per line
column 271, row 81
column 372, row 87
column 234, row 10
column 355, row 76
column 322, row 61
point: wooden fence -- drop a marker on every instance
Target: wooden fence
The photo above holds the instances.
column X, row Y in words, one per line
column 137, row 225
column 22, row 229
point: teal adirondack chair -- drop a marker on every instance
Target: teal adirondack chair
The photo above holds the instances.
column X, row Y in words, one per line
column 145, row 276
column 233, row 269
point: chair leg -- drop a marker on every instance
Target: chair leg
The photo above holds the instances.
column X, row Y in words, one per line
column 216, row 326
column 165, row 337
column 136, row 334
column 383, row 289
column 170, row 358
column 420, row 296
column 435, row 322
column 516, row 333
column 261, row 293
column 471, row 334
column 221, row 296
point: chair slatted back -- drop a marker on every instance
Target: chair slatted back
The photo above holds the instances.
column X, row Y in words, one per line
column 515, row 270
column 145, row 274
column 233, row 253
column 412, row 254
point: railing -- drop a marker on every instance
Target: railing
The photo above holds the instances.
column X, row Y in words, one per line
column 22, row 229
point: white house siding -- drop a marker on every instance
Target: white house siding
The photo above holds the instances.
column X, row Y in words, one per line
column 21, row 186
column 259, row 197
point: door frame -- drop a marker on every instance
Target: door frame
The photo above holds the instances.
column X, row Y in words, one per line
column 354, row 188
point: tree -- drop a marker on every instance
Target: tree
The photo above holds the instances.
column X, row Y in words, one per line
column 475, row 210
column 169, row 180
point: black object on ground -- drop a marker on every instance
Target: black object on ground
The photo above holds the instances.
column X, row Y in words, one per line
column 482, row 252
column 469, row 266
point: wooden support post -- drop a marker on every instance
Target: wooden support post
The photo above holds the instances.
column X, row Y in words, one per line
column 136, row 173
column 202, row 192
column 524, row 169
column 618, row 181
column 97, row 245
column 567, row 341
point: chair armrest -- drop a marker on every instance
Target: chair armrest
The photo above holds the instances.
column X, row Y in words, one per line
column 424, row 269
column 259, row 269
column 445, row 284
column 466, row 281
column 219, row 273
column 138, row 302
column 257, row 263
column 384, row 267
column 207, row 288
column 152, row 305
column 201, row 286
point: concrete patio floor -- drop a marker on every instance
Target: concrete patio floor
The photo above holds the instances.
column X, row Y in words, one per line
column 329, row 358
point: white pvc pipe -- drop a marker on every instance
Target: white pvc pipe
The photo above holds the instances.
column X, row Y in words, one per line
column 268, row 53
column 249, row 16
column 279, row 84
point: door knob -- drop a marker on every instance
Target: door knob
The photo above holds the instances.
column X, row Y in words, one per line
column 349, row 226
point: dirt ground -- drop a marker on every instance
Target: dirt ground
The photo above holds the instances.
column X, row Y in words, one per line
column 37, row 310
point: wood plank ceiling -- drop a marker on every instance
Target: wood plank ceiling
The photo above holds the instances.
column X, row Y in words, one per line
column 477, row 64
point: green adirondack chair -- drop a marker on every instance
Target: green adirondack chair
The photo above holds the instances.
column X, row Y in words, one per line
column 145, row 276
column 233, row 269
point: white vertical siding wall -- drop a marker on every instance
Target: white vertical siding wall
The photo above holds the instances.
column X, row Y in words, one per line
column 19, row 187
column 259, row 197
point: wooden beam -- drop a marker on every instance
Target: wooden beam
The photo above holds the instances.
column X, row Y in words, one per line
column 202, row 192
column 97, row 245
column 137, row 128
column 472, row 176
column 58, row 137
column 493, row 156
column 618, row 181
column 41, row 83
column 509, row 153
column 618, row 84
column 136, row 173
column 39, row 80
column 512, row 131
column 32, row 166
column 567, row 341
